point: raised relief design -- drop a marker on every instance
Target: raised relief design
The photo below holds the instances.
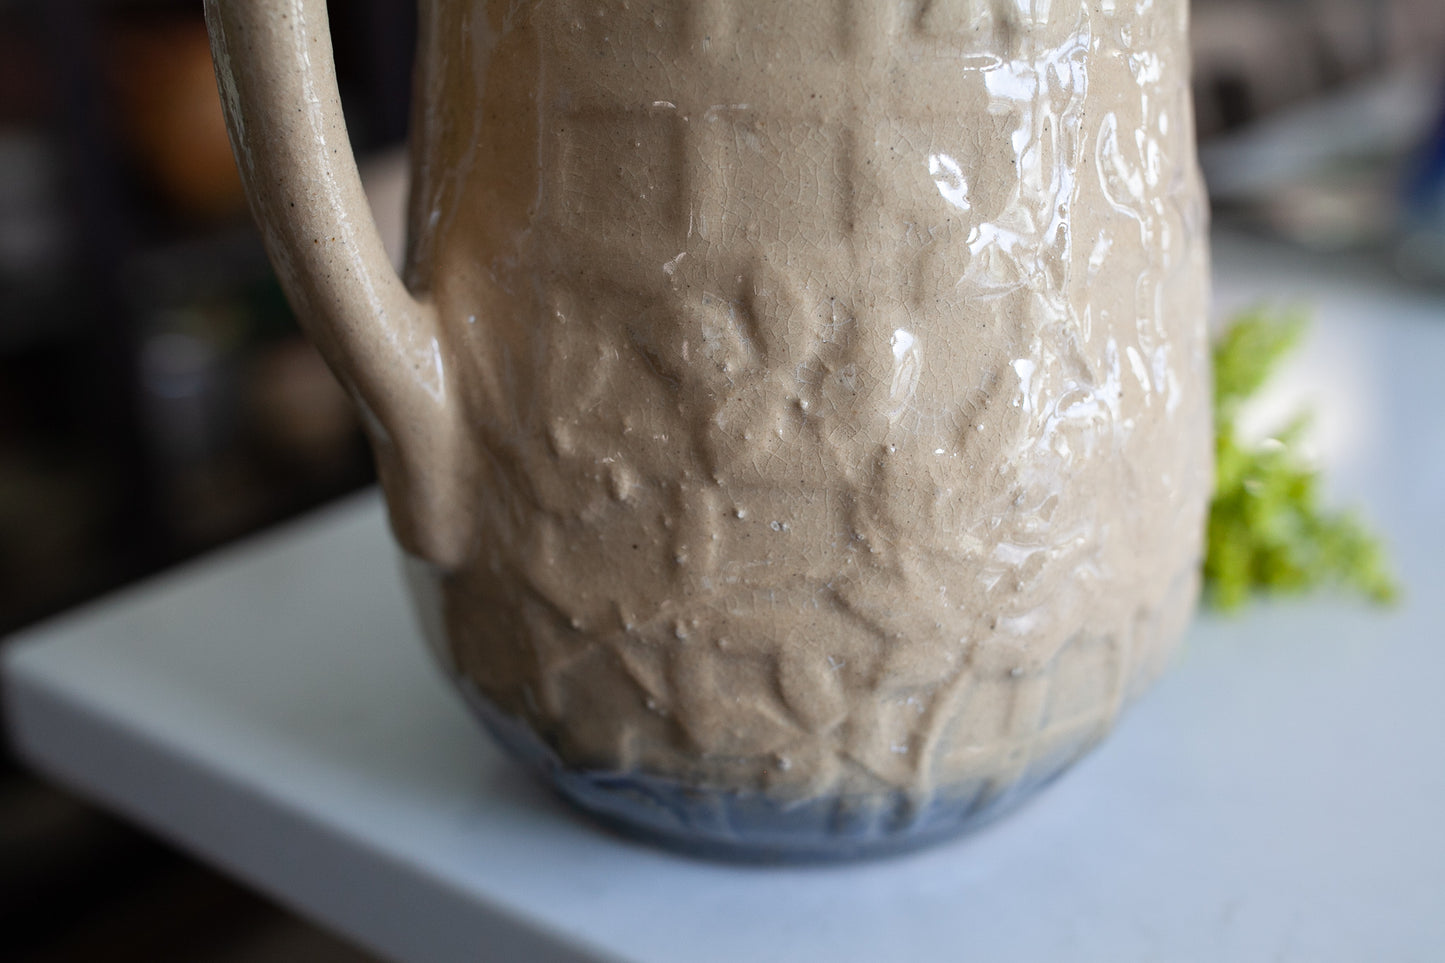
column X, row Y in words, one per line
column 905, row 326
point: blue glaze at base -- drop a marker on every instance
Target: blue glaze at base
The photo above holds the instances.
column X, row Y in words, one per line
column 753, row 827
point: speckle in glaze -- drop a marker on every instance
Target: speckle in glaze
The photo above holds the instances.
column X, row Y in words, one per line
column 841, row 387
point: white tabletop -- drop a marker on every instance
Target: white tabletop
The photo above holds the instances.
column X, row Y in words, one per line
column 1278, row 797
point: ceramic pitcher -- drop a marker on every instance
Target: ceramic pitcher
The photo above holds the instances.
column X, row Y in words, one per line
column 794, row 414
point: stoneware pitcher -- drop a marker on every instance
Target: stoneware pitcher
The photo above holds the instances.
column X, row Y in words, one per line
column 794, row 414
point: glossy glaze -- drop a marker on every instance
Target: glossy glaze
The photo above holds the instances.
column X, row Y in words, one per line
column 832, row 382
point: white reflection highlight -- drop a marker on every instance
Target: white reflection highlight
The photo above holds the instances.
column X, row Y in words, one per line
column 902, row 343
column 948, row 178
column 1024, row 368
column 907, row 365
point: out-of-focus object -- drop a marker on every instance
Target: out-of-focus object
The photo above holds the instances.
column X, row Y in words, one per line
column 49, row 519
column 1268, row 531
column 297, row 410
column 386, row 178
column 1326, row 174
column 1255, row 57
column 32, row 232
column 189, row 398
column 1421, row 252
column 1313, row 114
column 171, row 117
column 1360, row 171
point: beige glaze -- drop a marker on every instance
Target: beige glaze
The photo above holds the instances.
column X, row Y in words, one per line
column 806, row 397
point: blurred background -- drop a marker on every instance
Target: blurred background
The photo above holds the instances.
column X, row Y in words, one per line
column 156, row 399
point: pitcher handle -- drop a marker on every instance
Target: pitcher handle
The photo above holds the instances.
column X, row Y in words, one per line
column 277, row 78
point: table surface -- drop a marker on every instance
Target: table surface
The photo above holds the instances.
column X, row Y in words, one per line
column 1277, row 797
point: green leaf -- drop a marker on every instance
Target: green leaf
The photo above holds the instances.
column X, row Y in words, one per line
column 1249, row 351
column 1268, row 532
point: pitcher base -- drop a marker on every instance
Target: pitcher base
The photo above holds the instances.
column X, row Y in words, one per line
column 754, row 827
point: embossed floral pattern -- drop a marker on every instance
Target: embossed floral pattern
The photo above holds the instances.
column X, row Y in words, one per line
column 840, row 384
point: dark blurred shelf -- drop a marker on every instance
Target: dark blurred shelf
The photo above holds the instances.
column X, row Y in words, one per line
column 155, row 401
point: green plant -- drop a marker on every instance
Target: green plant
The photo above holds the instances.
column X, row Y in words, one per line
column 1268, row 530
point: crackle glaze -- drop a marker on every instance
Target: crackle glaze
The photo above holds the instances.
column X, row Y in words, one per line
column 796, row 412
